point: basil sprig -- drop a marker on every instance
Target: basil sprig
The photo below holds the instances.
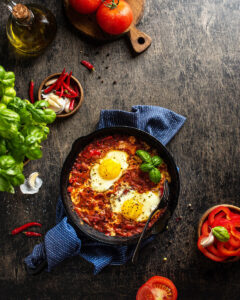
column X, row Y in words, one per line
column 149, row 165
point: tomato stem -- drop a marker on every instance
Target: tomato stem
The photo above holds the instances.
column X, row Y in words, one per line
column 111, row 5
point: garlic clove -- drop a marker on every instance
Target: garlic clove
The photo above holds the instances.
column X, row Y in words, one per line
column 32, row 184
column 67, row 104
column 50, row 82
column 53, row 104
column 32, row 179
column 54, row 97
column 208, row 240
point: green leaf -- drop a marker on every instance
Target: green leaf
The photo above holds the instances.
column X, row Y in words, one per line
column 144, row 155
column 155, row 175
column 221, row 233
column 146, row 167
column 5, row 186
column 41, row 115
column 2, row 72
column 41, row 104
column 9, row 79
column 156, row 161
column 34, row 152
column 3, row 147
column 7, row 162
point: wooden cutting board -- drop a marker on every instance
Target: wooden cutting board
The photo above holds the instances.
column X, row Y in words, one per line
column 87, row 24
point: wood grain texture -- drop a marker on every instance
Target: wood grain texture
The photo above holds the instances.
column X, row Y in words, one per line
column 193, row 68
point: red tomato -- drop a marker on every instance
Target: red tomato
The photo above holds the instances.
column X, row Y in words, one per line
column 85, row 6
column 114, row 16
column 157, row 288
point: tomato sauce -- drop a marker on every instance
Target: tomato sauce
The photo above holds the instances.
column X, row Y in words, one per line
column 93, row 207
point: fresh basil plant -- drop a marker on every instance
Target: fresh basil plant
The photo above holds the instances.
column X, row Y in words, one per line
column 23, row 127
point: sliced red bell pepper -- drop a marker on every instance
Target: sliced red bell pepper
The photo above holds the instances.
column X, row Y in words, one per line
column 214, row 250
column 217, row 210
column 234, row 242
column 206, row 252
column 220, row 215
column 205, row 228
column 227, row 252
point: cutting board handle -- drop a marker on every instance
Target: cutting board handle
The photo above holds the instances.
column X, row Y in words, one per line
column 140, row 41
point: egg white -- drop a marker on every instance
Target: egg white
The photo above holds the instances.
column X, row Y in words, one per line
column 100, row 184
column 148, row 200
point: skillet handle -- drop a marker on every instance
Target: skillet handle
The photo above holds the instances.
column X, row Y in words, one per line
column 140, row 41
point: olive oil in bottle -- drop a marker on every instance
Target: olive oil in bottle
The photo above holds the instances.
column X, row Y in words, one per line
column 30, row 28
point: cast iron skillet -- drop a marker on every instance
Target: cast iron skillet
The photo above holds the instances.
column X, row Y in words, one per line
column 83, row 228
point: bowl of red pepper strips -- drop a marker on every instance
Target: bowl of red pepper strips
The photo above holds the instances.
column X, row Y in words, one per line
column 219, row 233
column 62, row 86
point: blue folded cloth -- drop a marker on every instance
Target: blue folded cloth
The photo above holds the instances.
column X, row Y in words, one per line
column 62, row 241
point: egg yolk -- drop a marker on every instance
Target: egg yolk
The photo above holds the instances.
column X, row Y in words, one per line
column 109, row 169
column 131, row 209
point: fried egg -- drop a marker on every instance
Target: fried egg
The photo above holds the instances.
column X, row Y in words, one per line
column 108, row 170
column 133, row 205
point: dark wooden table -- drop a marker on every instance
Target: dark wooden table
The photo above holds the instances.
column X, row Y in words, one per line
column 193, row 68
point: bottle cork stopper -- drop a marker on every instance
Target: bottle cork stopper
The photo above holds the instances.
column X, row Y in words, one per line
column 21, row 12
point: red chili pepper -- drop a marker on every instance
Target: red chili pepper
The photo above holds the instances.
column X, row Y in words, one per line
column 65, row 95
column 88, row 65
column 68, row 78
column 61, row 93
column 21, row 228
column 69, row 89
column 71, row 105
column 76, row 90
column 50, row 88
column 61, row 81
column 31, row 95
column 31, row 233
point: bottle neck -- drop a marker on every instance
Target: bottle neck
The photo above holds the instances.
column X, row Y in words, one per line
column 20, row 12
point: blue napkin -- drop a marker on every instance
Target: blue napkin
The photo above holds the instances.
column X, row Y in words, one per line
column 62, row 241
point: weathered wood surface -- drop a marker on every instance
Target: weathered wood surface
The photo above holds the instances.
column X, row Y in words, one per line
column 193, row 68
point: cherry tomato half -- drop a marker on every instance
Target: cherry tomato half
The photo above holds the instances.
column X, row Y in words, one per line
column 85, row 6
column 114, row 17
column 157, row 287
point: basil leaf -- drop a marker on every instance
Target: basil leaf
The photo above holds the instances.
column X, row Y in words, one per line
column 144, row 155
column 6, row 186
column 146, row 167
column 221, row 233
column 156, row 161
column 41, row 104
column 155, row 175
column 3, row 148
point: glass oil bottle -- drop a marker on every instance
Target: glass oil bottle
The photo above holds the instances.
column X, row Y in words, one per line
column 30, row 28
